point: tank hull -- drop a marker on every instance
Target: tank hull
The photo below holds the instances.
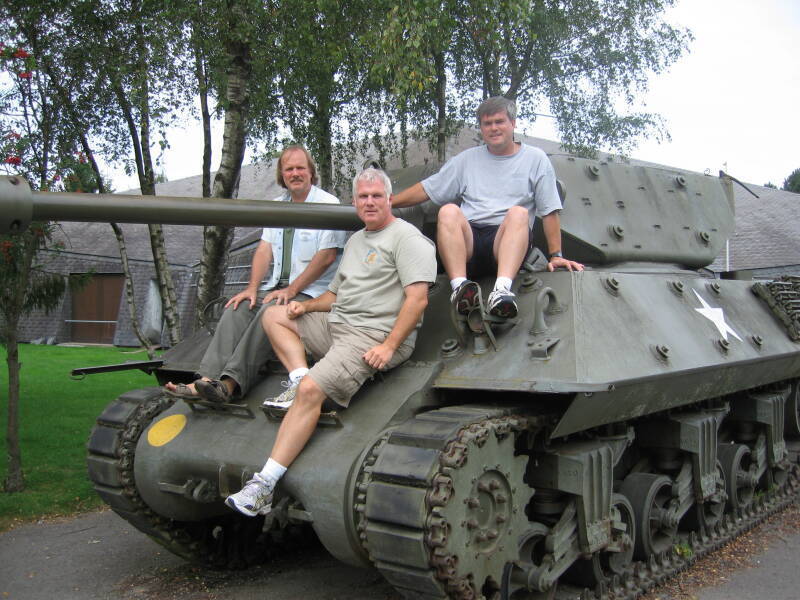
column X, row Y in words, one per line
column 224, row 449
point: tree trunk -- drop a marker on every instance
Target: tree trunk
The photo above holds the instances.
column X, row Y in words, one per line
column 322, row 126
column 130, row 298
column 147, row 183
column 217, row 239
column 202, row 89
column 15, row 480
column 441, row 106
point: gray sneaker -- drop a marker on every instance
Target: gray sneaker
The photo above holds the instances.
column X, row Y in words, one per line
column 465, row 297
column 501, row 304
column 285, row 399
column 255, row 498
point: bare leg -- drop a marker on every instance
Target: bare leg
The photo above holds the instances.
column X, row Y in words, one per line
column 454, row 239
column 299, row 423
column 285, row 338
column 511, row 242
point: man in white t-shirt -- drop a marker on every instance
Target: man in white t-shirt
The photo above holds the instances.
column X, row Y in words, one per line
column 239, row 348
column 502, row 187
column 365, row 322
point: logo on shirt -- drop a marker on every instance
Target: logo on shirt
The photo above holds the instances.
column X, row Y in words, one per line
column 371, row 257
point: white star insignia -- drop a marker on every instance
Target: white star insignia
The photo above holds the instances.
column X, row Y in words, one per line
column 717, row 317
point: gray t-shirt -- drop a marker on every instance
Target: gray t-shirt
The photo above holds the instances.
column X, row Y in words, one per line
column 489, row 185
column 375, row 268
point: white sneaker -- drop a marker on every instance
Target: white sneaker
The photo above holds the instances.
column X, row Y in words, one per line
column 501, row 304
column 255, row 498
column 285, row 399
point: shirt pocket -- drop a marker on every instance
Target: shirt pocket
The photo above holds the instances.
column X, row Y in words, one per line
column 306, row 245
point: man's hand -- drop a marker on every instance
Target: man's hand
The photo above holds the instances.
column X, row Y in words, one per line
column 295, row 309
column 248, row 294
column 280, row 296
column 379, row 356
column 558, row 262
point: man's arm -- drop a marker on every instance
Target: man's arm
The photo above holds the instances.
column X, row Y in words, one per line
column 262, row 258
column 321, row 303
column 416, row 194
column 551, row 224
column 313, row 271
column 416, row 300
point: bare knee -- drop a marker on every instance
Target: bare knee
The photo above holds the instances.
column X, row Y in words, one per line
column 517, row 215
column 272, row 314
column 309, row 394
column 450, row 214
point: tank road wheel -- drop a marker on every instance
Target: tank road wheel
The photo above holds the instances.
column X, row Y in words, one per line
column 739, row 470
column 220, row 542
column 651, row 497
column 603, row 565
column 704, row 516
column 516, row 575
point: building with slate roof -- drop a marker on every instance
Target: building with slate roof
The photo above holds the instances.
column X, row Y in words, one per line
column 766, row 244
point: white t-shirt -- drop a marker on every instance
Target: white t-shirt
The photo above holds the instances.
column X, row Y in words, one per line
column 306, row 243
column 488, row 185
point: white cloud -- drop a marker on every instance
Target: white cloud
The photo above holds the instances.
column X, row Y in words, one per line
column 734, row 98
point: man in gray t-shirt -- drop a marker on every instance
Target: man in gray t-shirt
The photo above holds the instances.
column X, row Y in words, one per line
column 502, row 186
column 366, row 321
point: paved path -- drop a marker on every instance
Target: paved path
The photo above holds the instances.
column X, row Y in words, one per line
column 99, row 556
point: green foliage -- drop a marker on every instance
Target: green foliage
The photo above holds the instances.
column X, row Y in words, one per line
column 55, row 421
column 584, row 62
column 683, row 550
column 769, row 184
column 792, row 182
column 25, row 283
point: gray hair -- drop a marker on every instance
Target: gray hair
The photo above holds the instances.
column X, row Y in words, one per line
column 496, row 104
column 373, row 174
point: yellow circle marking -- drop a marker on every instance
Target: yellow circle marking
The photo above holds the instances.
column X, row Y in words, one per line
column 164, row 431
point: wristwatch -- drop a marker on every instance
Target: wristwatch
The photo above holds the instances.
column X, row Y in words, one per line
column 556, row 255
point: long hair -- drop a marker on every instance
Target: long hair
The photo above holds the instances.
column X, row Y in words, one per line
column 312, row 167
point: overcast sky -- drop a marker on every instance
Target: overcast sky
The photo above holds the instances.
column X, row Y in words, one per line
column 731, row 103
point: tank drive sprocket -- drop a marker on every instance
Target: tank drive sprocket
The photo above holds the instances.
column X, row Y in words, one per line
column 445, row 502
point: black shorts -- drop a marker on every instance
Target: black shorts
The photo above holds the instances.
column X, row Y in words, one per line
column 483, row 261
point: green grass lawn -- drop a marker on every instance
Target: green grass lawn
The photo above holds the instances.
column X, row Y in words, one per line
column 56, row 415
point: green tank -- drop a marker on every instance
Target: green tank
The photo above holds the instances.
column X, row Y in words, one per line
column 631, row 417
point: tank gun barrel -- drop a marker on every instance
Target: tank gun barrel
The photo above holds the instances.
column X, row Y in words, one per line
column 19, row 206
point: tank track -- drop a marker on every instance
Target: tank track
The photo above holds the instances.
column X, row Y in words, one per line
column 783, row 298
column 406, row 482
column 404, row 514
column 222, row 542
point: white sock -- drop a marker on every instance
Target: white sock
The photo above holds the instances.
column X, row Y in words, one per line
column 297, row 374
column 454, row 283
column 503, row 283
column 272, row 472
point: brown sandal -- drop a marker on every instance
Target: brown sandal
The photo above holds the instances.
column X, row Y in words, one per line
column 212, row 390
column 182, row 391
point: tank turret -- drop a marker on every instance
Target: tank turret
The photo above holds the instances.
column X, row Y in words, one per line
column 630, row 409
column 616, row 212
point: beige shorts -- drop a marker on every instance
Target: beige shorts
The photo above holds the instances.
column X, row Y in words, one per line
column 339, row 349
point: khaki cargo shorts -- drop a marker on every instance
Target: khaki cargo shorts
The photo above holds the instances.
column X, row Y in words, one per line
column 340, row 369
